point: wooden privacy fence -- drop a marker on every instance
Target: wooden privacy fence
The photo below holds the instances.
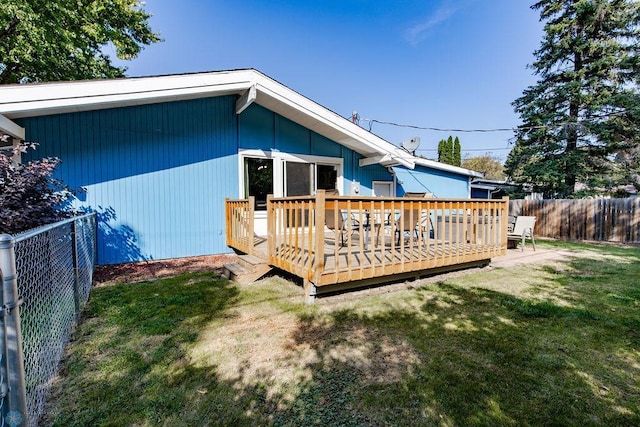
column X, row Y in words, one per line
column 606, row 220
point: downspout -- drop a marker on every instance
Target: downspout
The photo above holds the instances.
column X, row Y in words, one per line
column 395, row 179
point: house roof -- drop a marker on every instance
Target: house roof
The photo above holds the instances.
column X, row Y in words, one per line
column 251, row 86
column 449, row 168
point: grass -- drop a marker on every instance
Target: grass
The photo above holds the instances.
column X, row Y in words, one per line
column 554, row 344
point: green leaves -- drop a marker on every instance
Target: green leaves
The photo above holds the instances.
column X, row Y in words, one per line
column 29, row 194
column 42, row 40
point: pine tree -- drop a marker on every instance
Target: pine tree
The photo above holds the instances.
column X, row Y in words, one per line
column 457, row 159
column 584, row 109
column 449, row 151
column 442, row 150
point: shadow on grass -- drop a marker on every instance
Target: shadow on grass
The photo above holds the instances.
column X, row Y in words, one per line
column 443, row 354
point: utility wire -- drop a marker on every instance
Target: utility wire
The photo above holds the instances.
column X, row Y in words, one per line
column 469, row 149
column 355, row 117
column 449, row 130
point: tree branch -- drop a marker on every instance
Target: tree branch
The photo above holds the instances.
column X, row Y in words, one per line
column 9, row 69
column 10, row 29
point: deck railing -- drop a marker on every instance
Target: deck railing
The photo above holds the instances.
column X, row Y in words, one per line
column 240, row 224
column 376, row 237
column 293, row 238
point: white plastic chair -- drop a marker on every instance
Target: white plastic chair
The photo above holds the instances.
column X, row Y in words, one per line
column 523, row 229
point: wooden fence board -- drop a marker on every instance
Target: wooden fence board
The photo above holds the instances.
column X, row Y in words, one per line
column 612, row 220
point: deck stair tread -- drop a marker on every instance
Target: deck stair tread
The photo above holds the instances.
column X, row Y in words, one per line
column 247, row 269
column 250, row 261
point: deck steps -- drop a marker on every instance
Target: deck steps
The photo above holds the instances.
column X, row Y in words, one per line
column 247, row 269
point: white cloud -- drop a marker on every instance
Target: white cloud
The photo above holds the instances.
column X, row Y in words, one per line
column 420, row 31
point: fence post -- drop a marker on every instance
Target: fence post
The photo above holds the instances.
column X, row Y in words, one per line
column 76, row 272
column 14, row 409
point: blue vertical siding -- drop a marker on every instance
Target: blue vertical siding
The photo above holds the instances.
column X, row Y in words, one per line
column 424, row 180
column 260, row 128
column 322, row 146
column 256, row 129
column 156, row 174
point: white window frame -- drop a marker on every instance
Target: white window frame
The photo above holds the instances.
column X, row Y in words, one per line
column 391, row 185
column 279, row 159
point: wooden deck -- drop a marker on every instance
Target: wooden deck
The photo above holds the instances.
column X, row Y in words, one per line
column 448, row 234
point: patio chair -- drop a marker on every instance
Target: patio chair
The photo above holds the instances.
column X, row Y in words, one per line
column 335, row 223
column 523, row 229
column 426, row 224
column 413, row 195
column 408, row 222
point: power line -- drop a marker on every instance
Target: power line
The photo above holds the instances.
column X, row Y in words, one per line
column 355, row 118
column 470, row 149
column 449, row 130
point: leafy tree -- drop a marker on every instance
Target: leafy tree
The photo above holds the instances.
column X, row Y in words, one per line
column 489, row 165
column 29, row 195
column 584, row 108
column 44, row 40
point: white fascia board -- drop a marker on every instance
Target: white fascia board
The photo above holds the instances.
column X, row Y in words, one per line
column 51, row 98
column 11, row 128
column 448, row 168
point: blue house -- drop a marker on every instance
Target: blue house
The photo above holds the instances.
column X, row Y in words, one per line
column 157, row 156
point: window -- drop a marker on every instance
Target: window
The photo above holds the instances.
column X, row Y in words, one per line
column 258, row 180
column 298, row 179
column 383, row 188
column 285, row 174
column 327, row 177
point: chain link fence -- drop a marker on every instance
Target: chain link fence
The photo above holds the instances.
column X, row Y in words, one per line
column 54, row 271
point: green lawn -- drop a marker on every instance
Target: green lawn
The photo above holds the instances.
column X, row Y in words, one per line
column 555, row 344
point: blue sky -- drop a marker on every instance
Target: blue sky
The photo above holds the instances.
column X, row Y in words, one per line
column 442, row 63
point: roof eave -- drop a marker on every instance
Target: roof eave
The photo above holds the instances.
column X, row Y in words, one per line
column 448, row 168
column 18, row 101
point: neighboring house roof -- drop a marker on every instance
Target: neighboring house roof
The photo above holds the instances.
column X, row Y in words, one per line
column 445, row 167
column 37, row 99
column 491, row 185
column 493, row 182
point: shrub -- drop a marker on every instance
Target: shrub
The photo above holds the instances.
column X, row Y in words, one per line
column 29, row 194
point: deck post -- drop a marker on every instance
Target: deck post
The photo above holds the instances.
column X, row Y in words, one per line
column 310, row 292
column 271, row 229
column 318, row 263
column 227, row 215
column 503, row 226
column 251, row 224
